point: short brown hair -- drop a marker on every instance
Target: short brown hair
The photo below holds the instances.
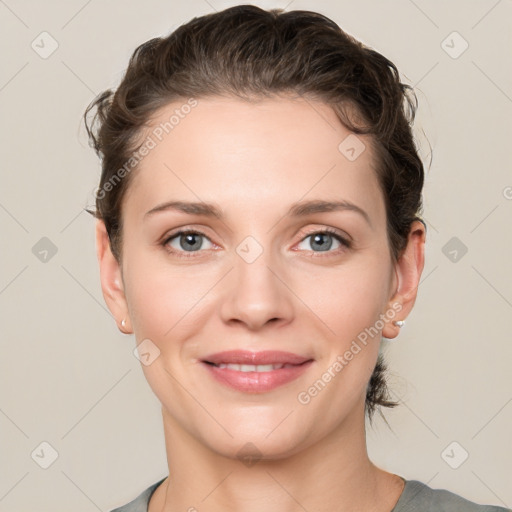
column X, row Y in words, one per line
column 248, row 52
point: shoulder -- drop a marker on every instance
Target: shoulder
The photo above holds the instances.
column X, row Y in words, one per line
column 419, row 497
column 141, row 502
column 416, row 497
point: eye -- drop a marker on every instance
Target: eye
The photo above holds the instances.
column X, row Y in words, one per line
column 190, row 241
column 323, row 241
column 186, row 241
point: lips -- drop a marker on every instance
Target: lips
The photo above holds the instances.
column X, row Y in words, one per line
column 245, row 357
column 255, row 372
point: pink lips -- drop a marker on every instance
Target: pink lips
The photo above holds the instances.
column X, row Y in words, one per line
column 247, row 357
column 289, row 366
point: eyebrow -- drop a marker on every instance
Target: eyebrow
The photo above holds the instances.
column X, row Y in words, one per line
column 300, row 209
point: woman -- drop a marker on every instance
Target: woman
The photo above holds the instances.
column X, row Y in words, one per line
column 258, row 232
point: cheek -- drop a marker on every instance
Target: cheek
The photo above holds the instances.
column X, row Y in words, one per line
column 164, row 298
column 346, row 299
column 347, row 305
column 348, row 348
column 167, row 306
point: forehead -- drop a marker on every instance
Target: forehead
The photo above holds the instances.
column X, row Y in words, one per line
column 266, row 152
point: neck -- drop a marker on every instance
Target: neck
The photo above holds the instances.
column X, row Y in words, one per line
column 333, row 474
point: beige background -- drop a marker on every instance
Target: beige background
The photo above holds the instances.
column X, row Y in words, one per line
column 70, row 379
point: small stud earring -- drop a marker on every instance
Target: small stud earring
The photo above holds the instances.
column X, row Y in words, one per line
column 399, row 323
column 123, row 323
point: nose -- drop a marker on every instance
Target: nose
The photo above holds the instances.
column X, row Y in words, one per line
column 257, row 293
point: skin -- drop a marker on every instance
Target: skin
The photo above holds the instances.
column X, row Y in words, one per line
column 254, row 160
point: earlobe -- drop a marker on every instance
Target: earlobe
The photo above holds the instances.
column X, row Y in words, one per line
column 111, row 279
column 408, row 270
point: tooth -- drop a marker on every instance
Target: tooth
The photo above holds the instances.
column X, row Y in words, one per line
column 253, row 367
column 265, row 367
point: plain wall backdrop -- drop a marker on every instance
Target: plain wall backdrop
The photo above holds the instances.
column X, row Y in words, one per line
column 69, row 378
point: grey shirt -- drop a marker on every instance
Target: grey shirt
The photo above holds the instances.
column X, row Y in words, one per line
column 416, row 497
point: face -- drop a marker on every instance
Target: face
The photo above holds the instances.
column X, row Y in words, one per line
column 265, row 267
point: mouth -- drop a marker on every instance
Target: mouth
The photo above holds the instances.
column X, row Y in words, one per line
column 262, row 358
column 251, row 367
column 255, row 372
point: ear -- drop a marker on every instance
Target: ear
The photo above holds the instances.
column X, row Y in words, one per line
column 408, row 271
column 111, row 279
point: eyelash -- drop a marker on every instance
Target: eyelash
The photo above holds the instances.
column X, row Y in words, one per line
column 183, row 254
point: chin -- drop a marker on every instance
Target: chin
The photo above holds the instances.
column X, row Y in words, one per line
column 250, row 450
column 260, row 436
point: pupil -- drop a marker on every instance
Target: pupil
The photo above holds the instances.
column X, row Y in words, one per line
column 190, row 240
column 323, row 246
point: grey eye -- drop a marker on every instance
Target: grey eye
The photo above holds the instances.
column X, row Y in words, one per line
column 190, row 241
column 321, row 241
